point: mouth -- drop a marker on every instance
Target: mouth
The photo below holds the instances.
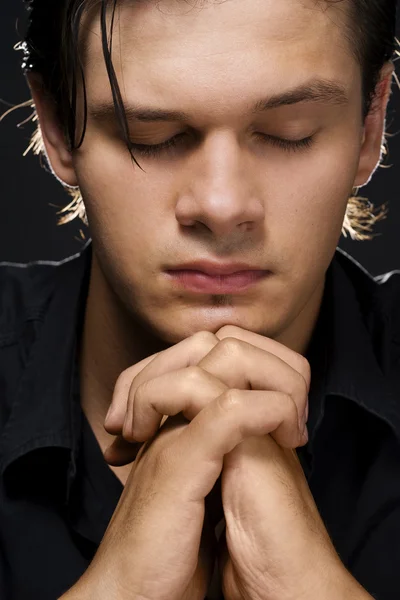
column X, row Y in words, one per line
column 203, row 282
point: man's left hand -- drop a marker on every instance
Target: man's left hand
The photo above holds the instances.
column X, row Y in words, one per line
column 276, row 546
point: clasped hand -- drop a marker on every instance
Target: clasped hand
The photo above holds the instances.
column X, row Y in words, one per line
column 237, row 404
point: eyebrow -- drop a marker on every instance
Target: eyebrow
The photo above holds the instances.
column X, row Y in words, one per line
column 318, row 90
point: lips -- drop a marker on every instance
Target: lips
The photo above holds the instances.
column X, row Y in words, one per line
column 217, row 279
column 210, row 267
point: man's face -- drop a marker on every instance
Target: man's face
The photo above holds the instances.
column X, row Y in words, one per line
column 228, row 191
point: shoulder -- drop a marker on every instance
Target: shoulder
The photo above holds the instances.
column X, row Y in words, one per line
column 378, row 299
column 387, row 298
column 26, row 290
column 39, row 302
column 381, row 292
column 388, row 292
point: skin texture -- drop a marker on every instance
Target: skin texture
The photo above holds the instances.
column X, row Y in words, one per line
column 223, row 194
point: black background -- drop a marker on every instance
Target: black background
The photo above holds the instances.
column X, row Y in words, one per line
column 30, row 196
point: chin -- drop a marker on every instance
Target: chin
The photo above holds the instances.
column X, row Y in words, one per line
column 188, row 322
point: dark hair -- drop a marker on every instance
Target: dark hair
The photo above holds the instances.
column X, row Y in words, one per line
column 51, row 49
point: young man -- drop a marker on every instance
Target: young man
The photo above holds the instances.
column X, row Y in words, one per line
column 215, row 145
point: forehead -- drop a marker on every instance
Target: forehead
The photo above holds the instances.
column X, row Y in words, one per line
column 167, row 49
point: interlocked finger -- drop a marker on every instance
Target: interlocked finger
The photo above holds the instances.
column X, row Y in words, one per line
column 187, row 353
column 185, row 391
column 232, row 362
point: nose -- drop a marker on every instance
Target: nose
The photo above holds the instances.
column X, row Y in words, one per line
column 221, row 192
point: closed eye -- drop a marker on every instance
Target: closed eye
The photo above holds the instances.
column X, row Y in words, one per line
column 183, row 140
column 287, row 145
column 154, row 150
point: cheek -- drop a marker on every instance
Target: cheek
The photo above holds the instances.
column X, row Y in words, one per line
column 125, row 206
column 306, row 222
column 312, row 207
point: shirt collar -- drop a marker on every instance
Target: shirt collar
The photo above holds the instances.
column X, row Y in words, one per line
column 349, row 353
column 42, row 415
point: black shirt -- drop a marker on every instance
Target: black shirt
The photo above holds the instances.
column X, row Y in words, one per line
column 57, row 494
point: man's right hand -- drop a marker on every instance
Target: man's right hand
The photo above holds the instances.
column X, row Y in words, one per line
column 157, row 546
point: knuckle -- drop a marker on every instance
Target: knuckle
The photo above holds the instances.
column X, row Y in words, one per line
column 194, row 375
column 231, row 346
column 227, row 331
column 229, row 401
column 204, row 338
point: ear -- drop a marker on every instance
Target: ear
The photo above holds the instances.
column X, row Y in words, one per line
column 57, row 152
column 374, row 129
